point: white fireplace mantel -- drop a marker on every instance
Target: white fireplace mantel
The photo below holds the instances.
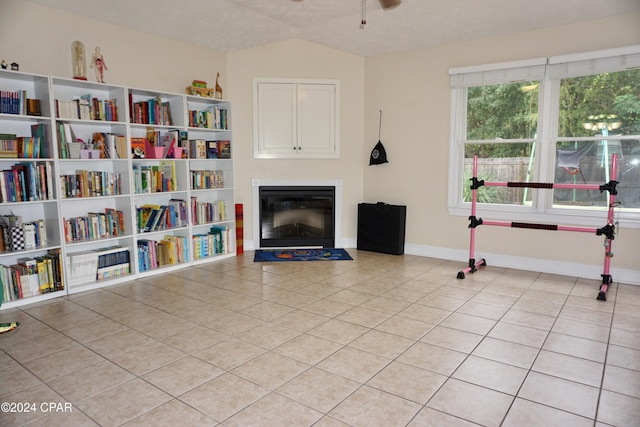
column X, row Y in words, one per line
column 257, row 183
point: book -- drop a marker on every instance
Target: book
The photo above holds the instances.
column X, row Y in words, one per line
column 212, row 149
column 42, row 131
column 8, row 145
column 137, row 147
column 224, row 149
column 33, row 107
column 29, row 232
column 83, row 267
column 121, row 147
column 183, row 142
column 198, row 148
column 99, row 141
column 142, row 215
column 170, row 142
column 180, row 207
column 56, row 263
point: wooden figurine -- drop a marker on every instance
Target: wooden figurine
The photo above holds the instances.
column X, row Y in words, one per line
column 218, row 93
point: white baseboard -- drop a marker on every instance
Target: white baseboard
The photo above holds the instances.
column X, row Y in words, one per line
column 587, row 271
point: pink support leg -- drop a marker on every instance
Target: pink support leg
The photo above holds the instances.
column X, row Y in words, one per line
column 473, row 265
column 608, row 240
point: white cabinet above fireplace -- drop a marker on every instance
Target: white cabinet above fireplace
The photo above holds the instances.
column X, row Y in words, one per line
column 296, row 118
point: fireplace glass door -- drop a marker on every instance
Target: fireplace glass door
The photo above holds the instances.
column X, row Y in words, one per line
column 297, row 216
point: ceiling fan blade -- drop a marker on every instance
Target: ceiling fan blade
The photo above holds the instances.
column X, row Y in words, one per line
column 389, row 4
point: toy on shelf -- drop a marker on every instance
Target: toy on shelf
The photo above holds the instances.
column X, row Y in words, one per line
column 97, row 62
column 199, row 88
column 79, row 60
column 218, row 92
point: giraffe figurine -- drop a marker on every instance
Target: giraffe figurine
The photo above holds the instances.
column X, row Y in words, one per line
column 218, row 89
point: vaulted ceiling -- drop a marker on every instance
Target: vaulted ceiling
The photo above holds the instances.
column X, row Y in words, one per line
column 229, row 25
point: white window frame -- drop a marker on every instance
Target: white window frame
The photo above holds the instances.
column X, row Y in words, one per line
column 549, row 71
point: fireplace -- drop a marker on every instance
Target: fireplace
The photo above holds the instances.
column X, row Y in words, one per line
column 295, row 214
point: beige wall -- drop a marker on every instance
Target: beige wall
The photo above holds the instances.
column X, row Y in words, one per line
column 411, row 88
column 298, row 59
column 39, row 39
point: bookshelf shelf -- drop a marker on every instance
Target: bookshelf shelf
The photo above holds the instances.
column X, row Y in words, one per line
column 86, row 129
column 24, row 118
column 111, row 240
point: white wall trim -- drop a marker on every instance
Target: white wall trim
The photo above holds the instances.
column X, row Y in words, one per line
column 587, row 271
column 598, row 54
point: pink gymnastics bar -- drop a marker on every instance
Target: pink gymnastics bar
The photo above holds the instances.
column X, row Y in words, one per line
column 542, row 226
column 542, row 185
column 607, row 231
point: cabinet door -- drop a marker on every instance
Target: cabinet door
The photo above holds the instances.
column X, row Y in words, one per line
column 276, row 119
column 316, row 119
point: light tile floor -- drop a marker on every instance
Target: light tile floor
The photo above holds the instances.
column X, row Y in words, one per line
column 382, row 340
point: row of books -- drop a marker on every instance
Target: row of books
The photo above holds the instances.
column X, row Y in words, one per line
column 215, row 119
column 170, row 141
column 154, row 254
column 32, row 276
column 13, row 102
column 16, row 235
column 151, row 112
column 90, row 184
column 205, row 212
column 95, row 225
column 35, row 146
column 206, row 179
column 110, row 146
column 215, row 149
column 27, row 182
column 14, row 147
column 98, row 264
column 107, row 145
column 87, row 108
column 154, row 178
column 151, row 217
column 113, row 264
column 215, row 242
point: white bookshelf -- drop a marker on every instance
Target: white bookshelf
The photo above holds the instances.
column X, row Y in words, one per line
column 64, row 208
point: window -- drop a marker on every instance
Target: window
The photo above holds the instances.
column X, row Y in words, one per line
column 586, row 141
column 554, row 120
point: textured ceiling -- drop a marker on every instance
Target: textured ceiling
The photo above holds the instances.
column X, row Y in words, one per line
column 228, row 25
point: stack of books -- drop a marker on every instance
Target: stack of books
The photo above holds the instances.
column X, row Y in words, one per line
column 98, row 264
column 32, row 276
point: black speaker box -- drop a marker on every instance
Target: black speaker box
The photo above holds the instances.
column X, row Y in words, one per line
column 381, row 227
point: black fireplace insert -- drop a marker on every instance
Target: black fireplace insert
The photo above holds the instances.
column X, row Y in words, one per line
column 297, row 216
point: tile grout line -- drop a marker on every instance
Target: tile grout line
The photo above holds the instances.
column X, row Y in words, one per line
column 606, row 355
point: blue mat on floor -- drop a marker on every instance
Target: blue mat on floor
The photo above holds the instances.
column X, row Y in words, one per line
column 325, row 254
